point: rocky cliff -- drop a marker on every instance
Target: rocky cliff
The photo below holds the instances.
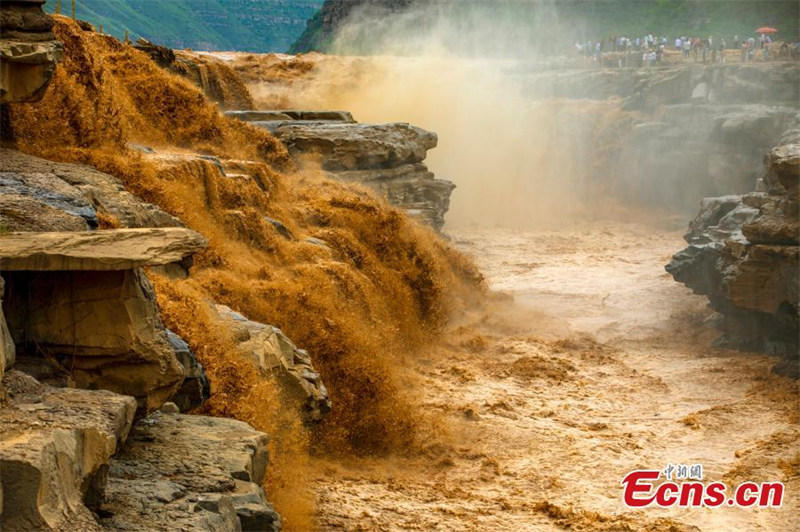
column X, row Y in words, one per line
column 79, row 313
column 82, row 316
column 743, row 255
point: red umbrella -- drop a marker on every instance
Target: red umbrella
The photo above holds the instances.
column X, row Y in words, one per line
column 766, row 30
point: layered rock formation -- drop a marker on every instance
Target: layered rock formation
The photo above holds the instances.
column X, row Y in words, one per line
column 744, row 255
column 69, row 455
column 273, row 353
column 67, row 197
column 54, row 450
column 82, row 301
column 78, row 299
column 82, row 315
column 385, row 157
column 28, row 50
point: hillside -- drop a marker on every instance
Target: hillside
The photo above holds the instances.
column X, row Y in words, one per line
column 506, row 26
column 246, row 25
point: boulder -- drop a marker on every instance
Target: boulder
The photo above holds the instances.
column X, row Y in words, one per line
column 273, row 353
column 110, row 250
column 183, row 472
column 55, row 444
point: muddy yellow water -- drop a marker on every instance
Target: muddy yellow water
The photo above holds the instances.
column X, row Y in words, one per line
column 593, row 363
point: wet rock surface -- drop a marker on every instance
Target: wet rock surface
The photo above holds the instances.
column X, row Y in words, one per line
column 41, row 195
column 189, row 473
column 54, row 447
column 196, row 388
column 385, row 157
column 743, row 254
column 273, row 353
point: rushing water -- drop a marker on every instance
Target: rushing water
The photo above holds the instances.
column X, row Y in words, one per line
column 590, row 361
column 601, row 365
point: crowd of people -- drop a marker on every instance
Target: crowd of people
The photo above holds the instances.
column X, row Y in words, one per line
column 703, row 50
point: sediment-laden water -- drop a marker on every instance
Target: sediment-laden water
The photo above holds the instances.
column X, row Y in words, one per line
column 600, row 365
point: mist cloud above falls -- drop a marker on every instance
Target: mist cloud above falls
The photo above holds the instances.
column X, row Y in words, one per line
column 516, row 161
column 519, row 157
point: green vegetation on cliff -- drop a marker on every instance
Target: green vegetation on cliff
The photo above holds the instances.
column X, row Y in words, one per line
column 246, row 25
column 550, row 25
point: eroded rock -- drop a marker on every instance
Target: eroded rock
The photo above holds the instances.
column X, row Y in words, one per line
column 385, row 157
column 41, row 195
column 117, row 249
column 743, row 254
column 100, row 327
column 54, row 447
column 182, row 472
column 273, row 353
column 357, row 146
column 196, row 388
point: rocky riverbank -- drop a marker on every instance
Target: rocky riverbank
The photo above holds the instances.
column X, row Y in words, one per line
column 743, row 255
column 81, row 316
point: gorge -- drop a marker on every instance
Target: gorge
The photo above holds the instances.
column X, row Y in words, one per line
column 390, row 292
